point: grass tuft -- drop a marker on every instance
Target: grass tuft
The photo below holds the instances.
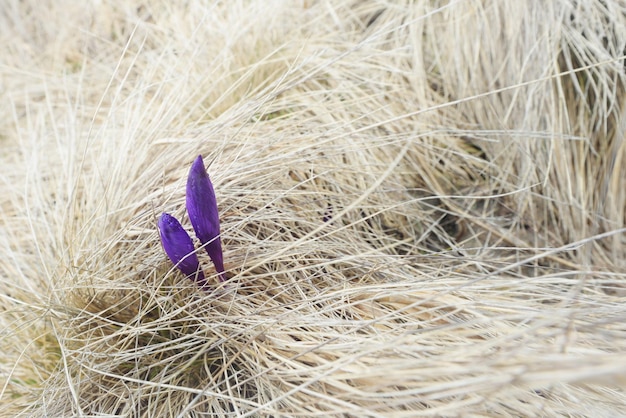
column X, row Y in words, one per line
column 422, row 208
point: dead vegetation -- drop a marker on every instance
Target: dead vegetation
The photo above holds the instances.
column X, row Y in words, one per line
column 422, row 208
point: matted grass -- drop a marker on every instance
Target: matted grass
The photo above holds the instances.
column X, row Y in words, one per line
column 422, row 205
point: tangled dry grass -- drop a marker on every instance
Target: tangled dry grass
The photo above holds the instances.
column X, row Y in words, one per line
column 422, row 204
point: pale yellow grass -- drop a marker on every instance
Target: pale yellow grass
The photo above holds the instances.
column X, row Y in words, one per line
column 467, row 156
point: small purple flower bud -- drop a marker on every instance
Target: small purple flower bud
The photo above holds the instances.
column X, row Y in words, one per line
column 179, row 247
column 202, row 209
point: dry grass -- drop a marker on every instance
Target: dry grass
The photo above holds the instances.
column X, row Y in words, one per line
column 471, row 157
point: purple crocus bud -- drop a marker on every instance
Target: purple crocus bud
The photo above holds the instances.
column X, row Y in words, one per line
column 179, row 247
column 202, row 209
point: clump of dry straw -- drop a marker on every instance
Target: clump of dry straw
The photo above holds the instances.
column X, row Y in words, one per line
column 422, row 207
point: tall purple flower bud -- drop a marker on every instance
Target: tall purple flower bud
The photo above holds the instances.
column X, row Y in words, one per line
column 179, row 247
column 202, row 209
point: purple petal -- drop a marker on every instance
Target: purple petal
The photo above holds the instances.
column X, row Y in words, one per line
column 202, row 209
column 179, row 247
